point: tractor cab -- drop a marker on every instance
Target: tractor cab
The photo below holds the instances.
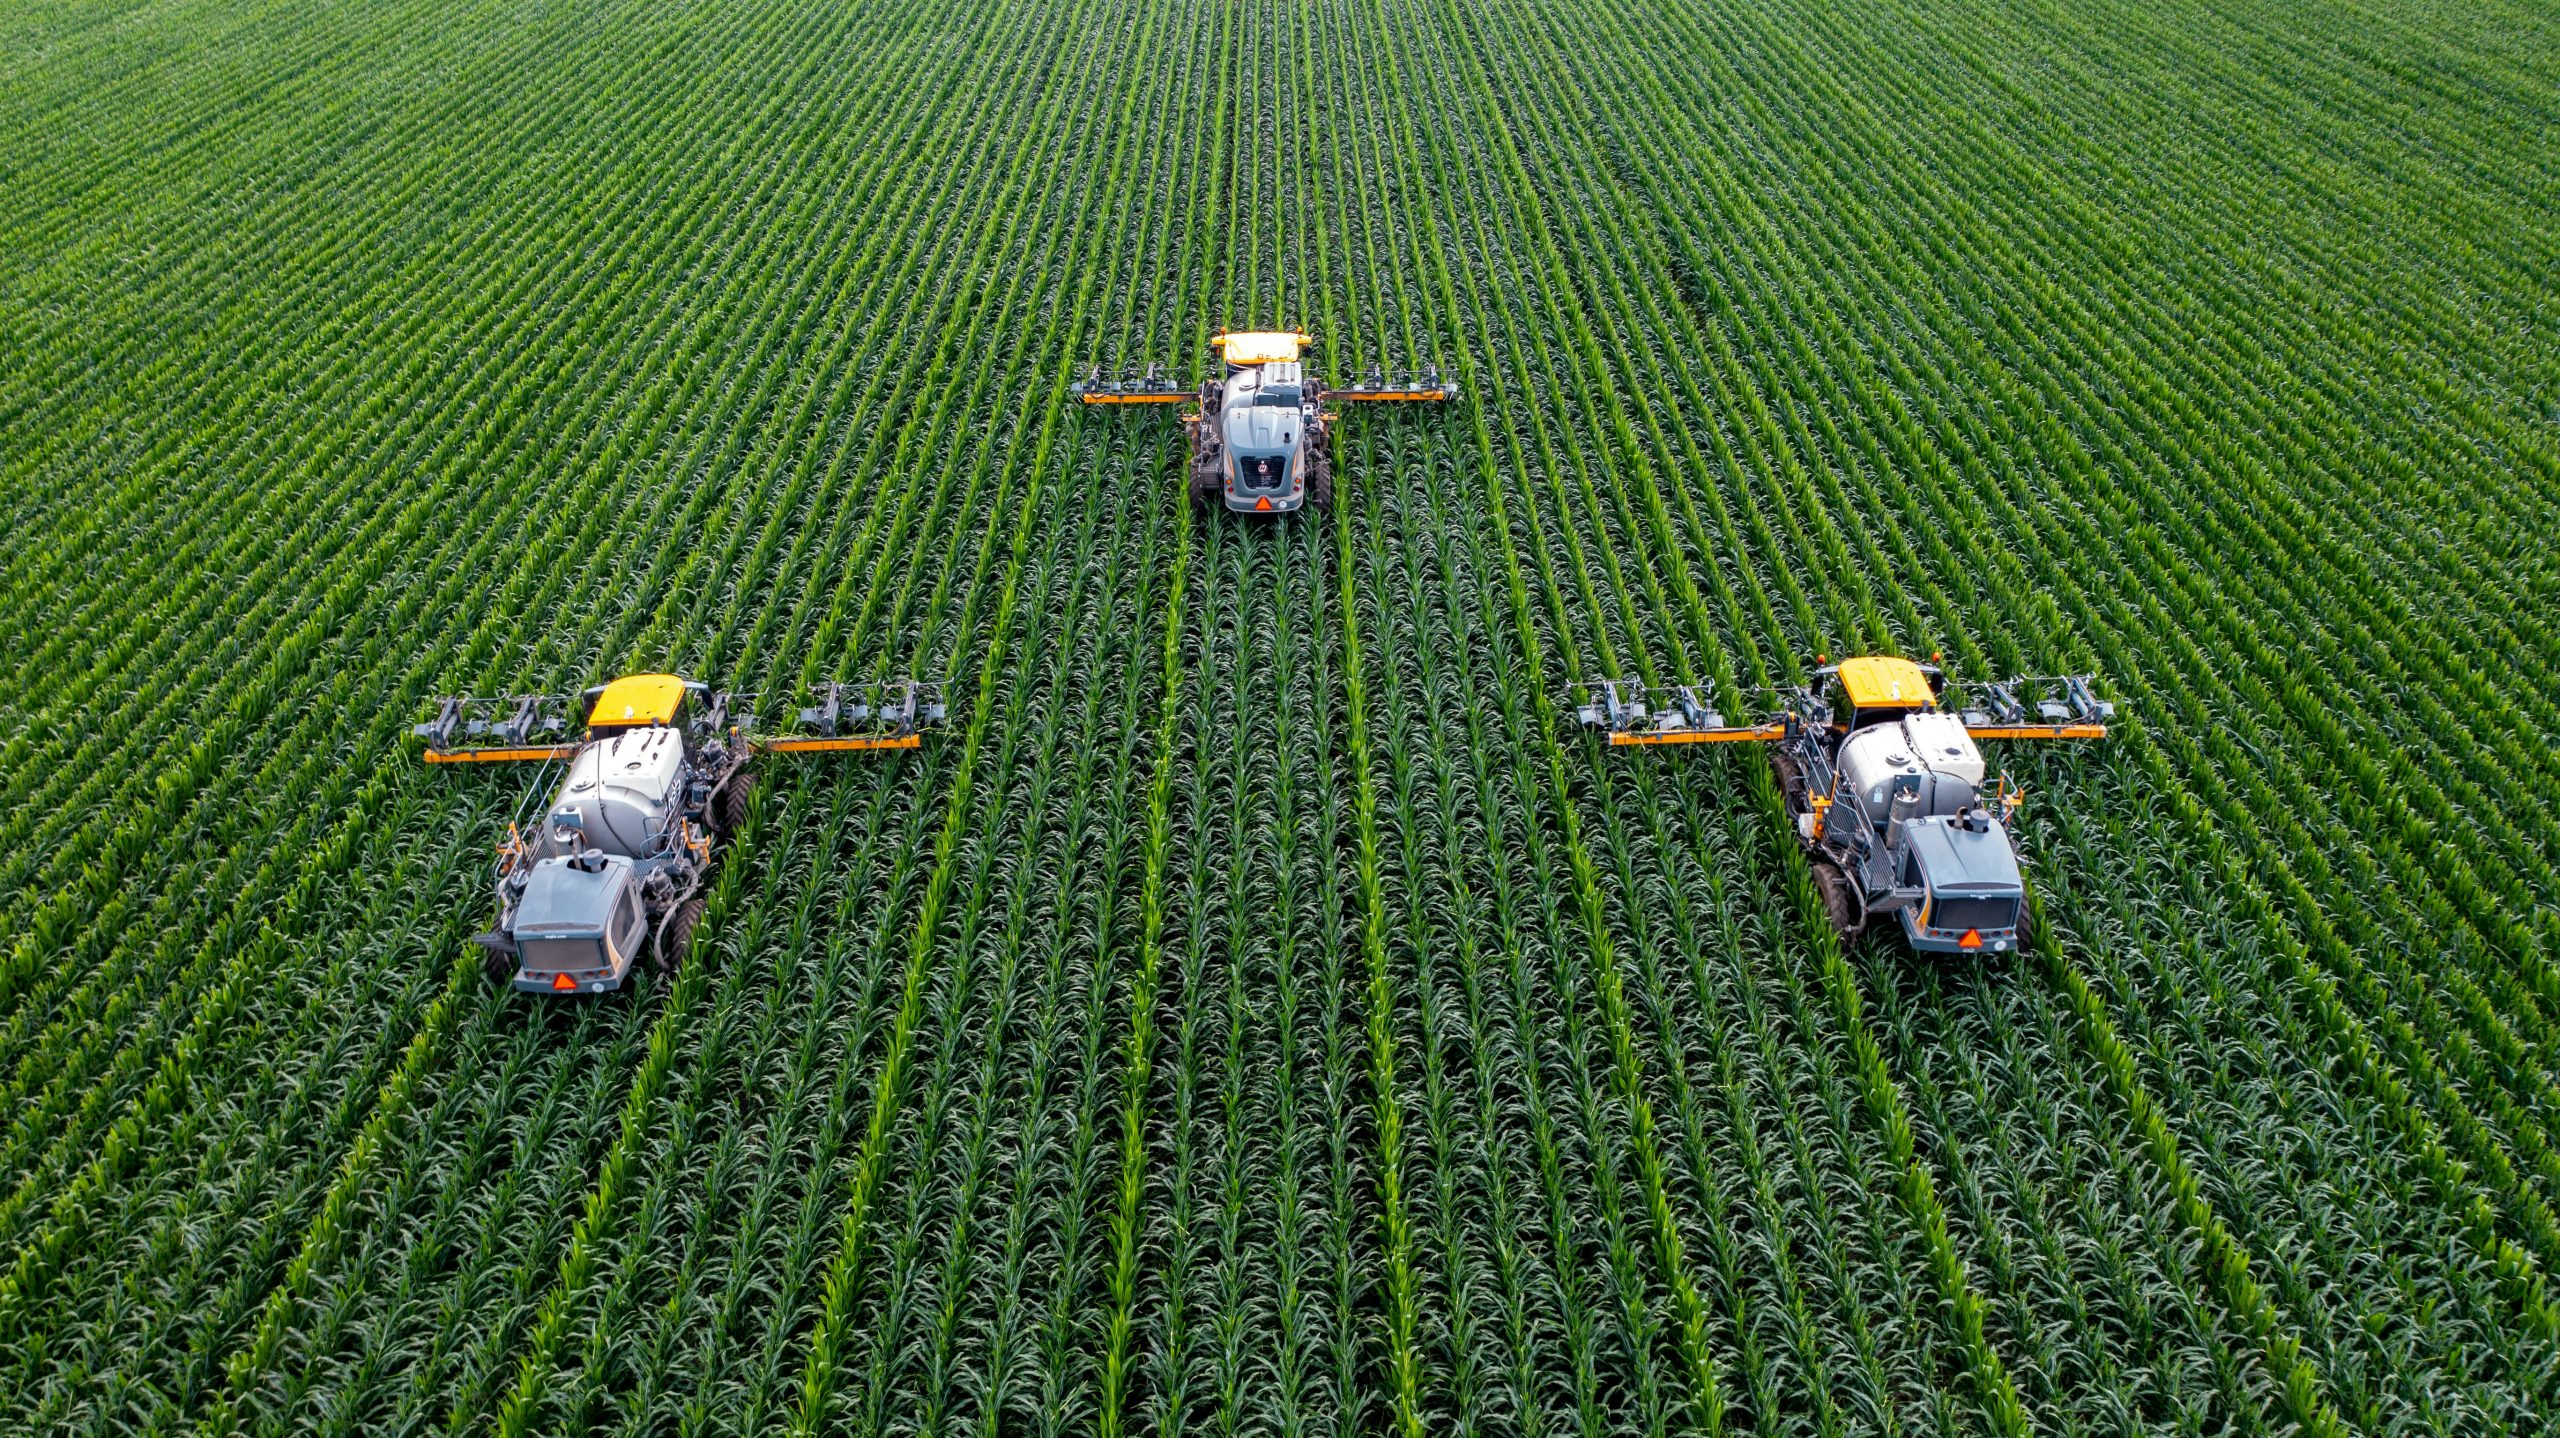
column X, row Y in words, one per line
column 580, row 924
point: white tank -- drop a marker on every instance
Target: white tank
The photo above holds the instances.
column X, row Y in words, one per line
column 1930, row 753
column 623, row 792
column 1940, row 740
column 1281, row 382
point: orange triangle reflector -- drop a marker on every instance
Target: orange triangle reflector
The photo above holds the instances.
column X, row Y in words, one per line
column 1262, row 504
column 1972, row 939
column 564, row 983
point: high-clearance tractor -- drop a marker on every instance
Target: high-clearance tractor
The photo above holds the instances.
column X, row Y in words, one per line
column 612, row 874
column 1261, row 438
column 1885, row 786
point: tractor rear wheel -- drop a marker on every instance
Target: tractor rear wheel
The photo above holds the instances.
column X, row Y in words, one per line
column 675, row 936
column 1839, row 899
column 1319, row 480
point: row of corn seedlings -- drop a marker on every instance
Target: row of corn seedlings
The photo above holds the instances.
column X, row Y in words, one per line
column 1258, row 1014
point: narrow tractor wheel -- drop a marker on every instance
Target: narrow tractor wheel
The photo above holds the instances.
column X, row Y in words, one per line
column 497, row 966
column 1208, row 476
column 729, row 810
column 1319, row 479
column 1839, row 900
column 1790, row 780
column 675, row 936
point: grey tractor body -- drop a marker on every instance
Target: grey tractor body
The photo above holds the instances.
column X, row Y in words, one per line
column 617, row 860
column 1261, row 438
column 1261, row 443
column 1904, row 827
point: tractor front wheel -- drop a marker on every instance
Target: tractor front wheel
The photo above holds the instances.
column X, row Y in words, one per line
column 675, row 936
column 729, row 810
column 1839, row 898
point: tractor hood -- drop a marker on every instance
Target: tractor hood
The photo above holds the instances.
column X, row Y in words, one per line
column 1952, row 858
column 1920, row 765
column 1972, row 897
column 623, row 793
column 1264, row 429
column 1264, row 410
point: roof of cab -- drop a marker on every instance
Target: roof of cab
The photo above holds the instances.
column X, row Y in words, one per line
column 637, row 699
column 1260, row 346
column 1885, row 682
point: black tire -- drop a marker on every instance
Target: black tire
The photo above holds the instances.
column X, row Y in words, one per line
column 1208, row 472
column 1790, row 780
column 1839, row 899
column 1319, row 480
column 497, row 966
column 729, row 810
column 675, row 936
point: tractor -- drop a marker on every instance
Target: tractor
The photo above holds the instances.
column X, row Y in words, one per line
column 1261, row 439
column 611, row 875
column 1885, row 787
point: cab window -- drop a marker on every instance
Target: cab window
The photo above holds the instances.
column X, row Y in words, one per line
column 627, row 926
column 1835, row 695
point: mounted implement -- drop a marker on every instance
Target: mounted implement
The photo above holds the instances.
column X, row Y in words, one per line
column 613, row 871
column 1884, row 785
column 1261, row 439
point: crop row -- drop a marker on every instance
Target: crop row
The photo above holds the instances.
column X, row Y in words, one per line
column 1258, row 1010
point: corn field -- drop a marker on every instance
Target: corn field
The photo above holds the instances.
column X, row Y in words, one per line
column 1259, row 1010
